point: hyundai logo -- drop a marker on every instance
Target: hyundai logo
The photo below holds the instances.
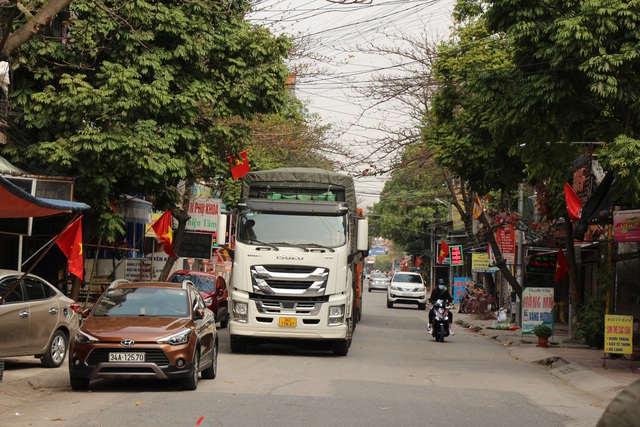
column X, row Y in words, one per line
column 293, row 257
column 127, row 343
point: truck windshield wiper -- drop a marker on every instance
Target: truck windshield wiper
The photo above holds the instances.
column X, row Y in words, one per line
column 271, row 245
column 316, row 245
column 292, row 244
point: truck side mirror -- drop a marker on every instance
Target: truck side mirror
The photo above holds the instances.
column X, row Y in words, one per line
column 221, row 230
column 362, row 241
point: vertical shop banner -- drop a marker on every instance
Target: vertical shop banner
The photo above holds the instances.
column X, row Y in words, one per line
column 459, row 284
column 618, row 334
column 506, row 238
column 537, row 308
column 455, row 252
column 626, row 226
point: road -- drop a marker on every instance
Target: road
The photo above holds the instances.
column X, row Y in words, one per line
column 394, row 375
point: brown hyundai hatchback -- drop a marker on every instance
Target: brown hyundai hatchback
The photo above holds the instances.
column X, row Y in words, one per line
column 146, row 330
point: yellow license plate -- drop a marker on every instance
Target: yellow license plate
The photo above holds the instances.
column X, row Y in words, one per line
column 287, row 322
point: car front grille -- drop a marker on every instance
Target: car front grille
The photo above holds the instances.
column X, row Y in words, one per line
column 152, row 355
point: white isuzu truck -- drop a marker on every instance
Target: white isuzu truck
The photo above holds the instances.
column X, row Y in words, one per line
column 299, row 242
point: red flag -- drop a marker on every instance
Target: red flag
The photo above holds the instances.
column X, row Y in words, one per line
column 574, row 204
column 70, row 243
column 163, row 230
column 444, row 252
column 239, row 168
column 561, row 267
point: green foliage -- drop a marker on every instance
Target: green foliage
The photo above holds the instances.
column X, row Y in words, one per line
column 590, row 325
column 383, row 262
column 121, row 104
column 623, row 156
column 407, row 205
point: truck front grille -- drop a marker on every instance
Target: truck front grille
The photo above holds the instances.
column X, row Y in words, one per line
column 289, row 280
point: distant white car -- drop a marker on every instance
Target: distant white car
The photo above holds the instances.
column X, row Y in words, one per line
column 36, row 319
column 407, row 288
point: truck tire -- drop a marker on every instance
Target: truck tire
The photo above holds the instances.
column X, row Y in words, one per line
column 389, row 304
column 238, row 344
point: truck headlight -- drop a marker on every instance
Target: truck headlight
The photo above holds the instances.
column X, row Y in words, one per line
column 240, row 311
column 336, row 315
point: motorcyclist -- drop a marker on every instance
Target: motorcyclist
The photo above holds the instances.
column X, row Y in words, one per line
column 440, row 293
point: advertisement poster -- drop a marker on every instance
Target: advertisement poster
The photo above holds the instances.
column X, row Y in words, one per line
column 458, row 288
column 618, row 334
column 626, row 226
column 537, row 308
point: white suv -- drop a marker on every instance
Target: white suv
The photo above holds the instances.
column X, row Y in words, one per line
column 407, row 288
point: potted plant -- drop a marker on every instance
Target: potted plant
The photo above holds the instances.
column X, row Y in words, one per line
column 590, row 325
column 543, row 332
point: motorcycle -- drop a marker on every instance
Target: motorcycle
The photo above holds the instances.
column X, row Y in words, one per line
column 440, row 323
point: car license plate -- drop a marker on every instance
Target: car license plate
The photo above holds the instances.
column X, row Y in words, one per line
column 126, row 357
column 287, row 322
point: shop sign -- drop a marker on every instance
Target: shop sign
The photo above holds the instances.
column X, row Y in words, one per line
column 480, row 262
column 455, row 252
column 626, row 226
column 537, row 308
column 506, row 238
column 618, row 334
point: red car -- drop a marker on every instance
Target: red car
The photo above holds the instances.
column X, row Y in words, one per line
column 213, row 289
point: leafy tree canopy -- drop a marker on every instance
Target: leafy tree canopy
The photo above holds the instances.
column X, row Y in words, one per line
column 120, row 101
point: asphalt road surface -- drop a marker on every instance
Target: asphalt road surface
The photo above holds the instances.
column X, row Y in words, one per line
column 394, row 375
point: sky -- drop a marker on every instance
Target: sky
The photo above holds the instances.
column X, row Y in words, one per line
column 337, row 35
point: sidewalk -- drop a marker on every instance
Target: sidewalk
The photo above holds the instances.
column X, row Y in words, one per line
column 577, row 364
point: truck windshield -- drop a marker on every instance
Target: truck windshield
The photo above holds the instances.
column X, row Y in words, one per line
column 297, row 230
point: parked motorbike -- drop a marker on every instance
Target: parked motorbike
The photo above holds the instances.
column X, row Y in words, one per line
column 440, row 324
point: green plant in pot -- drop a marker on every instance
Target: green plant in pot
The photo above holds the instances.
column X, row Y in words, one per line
column 542, row 330
column 590, row 325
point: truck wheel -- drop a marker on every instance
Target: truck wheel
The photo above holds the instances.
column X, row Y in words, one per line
column 238, row 344
column 341, row 347
column 389, row 304
column 422, row 306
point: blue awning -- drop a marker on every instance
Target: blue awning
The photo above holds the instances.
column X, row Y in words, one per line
column 17, row 203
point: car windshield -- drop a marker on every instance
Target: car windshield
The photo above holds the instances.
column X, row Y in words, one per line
column 143, row 301
column 203, row 283
column 407, row 278
column 378, row 276
column 268, row 228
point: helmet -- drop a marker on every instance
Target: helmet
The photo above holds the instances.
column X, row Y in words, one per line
column 441, row 281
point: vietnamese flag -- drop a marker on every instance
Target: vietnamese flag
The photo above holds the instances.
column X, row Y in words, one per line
column 70, row 243
column 574, row 203
column 444, row 252
column 561, row 267
column 163, row 230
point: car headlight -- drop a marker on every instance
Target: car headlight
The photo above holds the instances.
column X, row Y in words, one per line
column 84, row 338
column 179, row 338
